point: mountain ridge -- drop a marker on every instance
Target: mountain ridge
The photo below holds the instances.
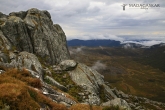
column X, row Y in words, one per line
column 109, row 43
column 93, row 43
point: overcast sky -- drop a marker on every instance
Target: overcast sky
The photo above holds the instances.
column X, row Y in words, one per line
column 100, row 19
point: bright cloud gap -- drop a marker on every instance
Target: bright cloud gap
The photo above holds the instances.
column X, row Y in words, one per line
column 137, row 39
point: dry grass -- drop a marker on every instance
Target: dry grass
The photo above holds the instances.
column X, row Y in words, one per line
column 43, row 100
column 15, row 94
column 16, row 90
column 25, row 76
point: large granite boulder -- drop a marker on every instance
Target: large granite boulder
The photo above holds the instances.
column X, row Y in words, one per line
column 67, row 65
column 122, row 104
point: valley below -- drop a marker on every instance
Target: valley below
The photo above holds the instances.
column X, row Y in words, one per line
column 135, row 71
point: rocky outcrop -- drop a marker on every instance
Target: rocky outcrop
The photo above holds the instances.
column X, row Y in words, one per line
column 67, row 65
column 55, row 83
column 118, row 102
column 48, row 40
column 33, row 31
column 22, row 60
column 56, row 96
column 26, row 36
column 28, row 61
column 91, row 81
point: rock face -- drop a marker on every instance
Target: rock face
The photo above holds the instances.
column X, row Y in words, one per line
column 33, row 31
column 4, row 43
column 55, row 83
column 14, row 29
column 28, row 61
column 92, row 82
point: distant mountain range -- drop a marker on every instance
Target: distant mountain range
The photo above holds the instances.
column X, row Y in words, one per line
column 94, row 43
column 108, row 43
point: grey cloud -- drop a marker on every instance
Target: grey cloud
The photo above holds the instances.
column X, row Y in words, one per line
column 90, row 19
column 135, row 22
column 142, row 37
column 7, row 6
column 143, row 40
column 98, row 66
column 76, row 50
column 98, row 36
column 145, row 43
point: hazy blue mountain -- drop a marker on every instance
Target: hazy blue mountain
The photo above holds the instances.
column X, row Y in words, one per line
column 93, row 43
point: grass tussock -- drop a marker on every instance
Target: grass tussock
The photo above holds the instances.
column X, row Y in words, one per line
column 16, row 96
column 24, row 76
